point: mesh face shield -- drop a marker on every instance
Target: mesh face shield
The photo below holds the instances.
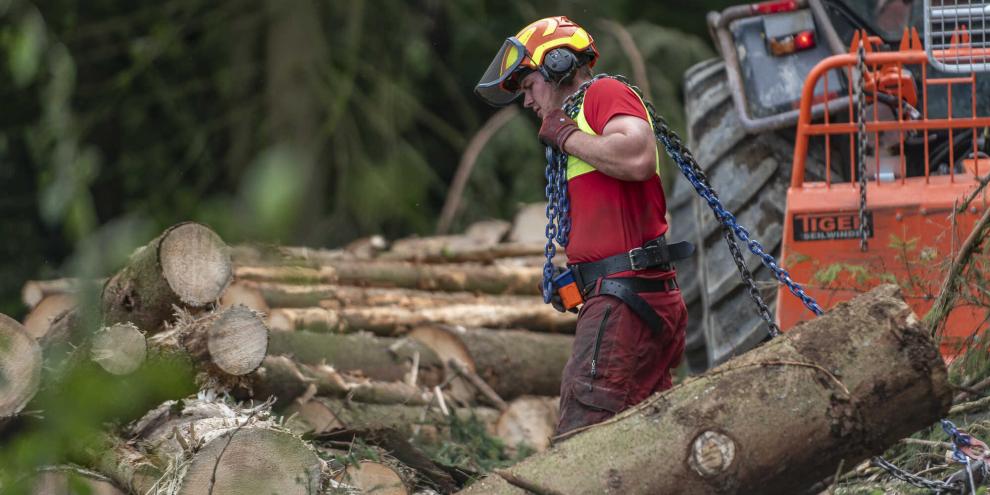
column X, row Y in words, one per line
column 499, row 86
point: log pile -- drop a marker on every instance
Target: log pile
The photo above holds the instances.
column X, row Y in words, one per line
column 387, row 369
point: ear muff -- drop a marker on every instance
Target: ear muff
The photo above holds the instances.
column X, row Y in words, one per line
column 559, row 65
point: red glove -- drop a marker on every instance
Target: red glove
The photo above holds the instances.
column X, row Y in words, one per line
column 556, row 128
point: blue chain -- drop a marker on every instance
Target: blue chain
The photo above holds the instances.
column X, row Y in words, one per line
column 558, row 214
column 729, row 220
column 557, row 208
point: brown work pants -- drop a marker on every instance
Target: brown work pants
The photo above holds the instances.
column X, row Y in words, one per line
column 631, row 360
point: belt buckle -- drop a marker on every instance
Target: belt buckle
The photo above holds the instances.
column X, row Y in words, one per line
column 633, row 253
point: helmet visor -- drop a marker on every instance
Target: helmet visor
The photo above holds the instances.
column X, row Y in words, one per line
column 499, row 85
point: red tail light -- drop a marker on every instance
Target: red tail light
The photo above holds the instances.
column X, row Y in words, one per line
column 804, row 40
column 775, row 7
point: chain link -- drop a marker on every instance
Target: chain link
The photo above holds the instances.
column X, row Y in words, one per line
column 861, row 138
column 936, row 486
column 731, row 230
column 558, row 215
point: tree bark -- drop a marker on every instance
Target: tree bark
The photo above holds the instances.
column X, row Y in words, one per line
column 20, row 368
column 774, row 420
column 390, row 321
column 448, row 277
column 377, row 358
column 119, row 349
column 319, row 415
column 337, row 296
column 286, row 380
column 225, row 450
column 513, row 362
column 233, row 341
column 188, row 266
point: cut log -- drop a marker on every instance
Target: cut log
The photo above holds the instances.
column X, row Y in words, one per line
column 450, row 277
column 529, row 224
column 321, row 415
column 286, row 380
column 20, row 367
column 478, row 243
column 119, row 349
column 375, row 477
column 240, row 293
column 513, row 362
column 529, row 421
column 389, row 321
column 225, row 450
column 187, row 266
column 39, row 320
column 234, row 341
column 35, row 291
column 377, row 358
column 66, row 480
column 775, row 420
column 341, row 296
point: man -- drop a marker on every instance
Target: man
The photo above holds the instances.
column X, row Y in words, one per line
column 630, row 330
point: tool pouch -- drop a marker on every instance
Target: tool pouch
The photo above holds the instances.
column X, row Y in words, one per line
column 567, row 288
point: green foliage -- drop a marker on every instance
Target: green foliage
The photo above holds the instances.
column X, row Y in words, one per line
column 75, row 409
column 470, row 446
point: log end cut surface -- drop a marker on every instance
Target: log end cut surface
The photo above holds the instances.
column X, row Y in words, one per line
column 20, row 367
column 529, row 421
column 119, row 349
column 375, row 477
column 196, row 263
column 39, row 320
column 238, row 341
column 243, row 294
column 253, row 460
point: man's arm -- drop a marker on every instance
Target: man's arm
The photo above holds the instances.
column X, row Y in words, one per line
column 626, row 148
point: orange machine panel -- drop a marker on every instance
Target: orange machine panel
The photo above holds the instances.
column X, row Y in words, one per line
column 919, row 238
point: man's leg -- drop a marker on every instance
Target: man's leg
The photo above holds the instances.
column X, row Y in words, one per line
column 617, row 360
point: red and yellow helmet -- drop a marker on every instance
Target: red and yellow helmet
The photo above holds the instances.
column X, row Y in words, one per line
column 527, row 51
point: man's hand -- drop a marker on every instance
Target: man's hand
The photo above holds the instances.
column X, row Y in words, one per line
column 556, row 128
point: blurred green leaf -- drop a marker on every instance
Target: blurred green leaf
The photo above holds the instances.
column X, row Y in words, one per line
column 24, row 52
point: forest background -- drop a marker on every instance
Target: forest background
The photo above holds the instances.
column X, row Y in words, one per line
column 293, row 122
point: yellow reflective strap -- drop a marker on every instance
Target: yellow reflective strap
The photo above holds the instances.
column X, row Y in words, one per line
column 577, row 167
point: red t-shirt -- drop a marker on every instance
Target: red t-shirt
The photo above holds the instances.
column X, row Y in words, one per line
column 610, row 216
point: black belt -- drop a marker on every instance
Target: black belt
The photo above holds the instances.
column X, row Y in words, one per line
column 627, row 290
column 654, row 254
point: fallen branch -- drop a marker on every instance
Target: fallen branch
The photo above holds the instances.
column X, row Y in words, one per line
column 947, row 295
column 969, row 406
column 478, row 383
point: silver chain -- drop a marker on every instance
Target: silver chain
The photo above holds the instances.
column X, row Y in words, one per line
column 936, row 486
column 861, row 134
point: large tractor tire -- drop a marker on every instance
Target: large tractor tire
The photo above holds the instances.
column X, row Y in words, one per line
column 750, row 173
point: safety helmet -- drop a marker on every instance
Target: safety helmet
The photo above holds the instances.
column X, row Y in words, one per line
column 553, row 46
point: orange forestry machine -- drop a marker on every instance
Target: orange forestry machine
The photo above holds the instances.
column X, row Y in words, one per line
column 913, row 192
column 890, row 141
